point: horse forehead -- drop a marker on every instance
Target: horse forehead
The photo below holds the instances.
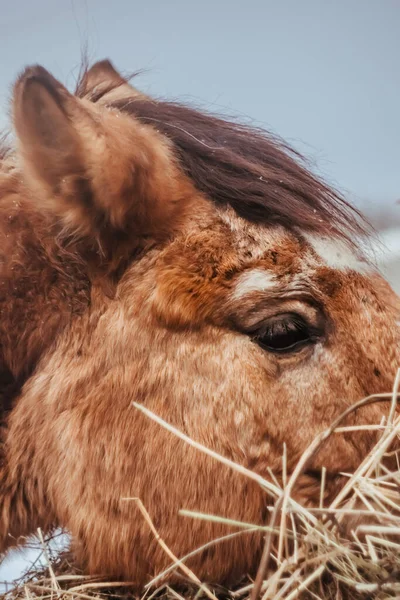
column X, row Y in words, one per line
column 306, row 251
column 254, row 241
column 275, row 260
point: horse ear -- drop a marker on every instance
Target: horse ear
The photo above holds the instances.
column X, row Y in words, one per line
column 102, row 172
column 43, row 118
column 102, row 82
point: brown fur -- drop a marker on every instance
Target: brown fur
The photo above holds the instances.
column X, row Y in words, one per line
column 131, row 234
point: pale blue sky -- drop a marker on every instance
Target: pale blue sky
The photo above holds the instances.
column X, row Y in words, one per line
column 324, row 74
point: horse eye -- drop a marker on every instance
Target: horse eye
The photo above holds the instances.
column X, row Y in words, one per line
column 285, row 334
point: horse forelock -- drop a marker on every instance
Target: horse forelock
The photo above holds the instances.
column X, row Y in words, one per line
column 248, row 168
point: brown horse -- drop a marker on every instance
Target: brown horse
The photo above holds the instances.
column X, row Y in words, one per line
column 157, row 254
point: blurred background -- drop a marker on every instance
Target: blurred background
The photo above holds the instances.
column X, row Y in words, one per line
column 322, row 74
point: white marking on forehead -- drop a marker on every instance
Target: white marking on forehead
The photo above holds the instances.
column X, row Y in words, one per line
column 255, row 280
column 337, row 254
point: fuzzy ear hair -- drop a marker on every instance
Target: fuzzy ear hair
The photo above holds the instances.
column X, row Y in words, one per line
column 102, row 172
column 103, row 83
column 43, row 118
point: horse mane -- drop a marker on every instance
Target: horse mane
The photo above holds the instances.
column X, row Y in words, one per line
column 260, row 176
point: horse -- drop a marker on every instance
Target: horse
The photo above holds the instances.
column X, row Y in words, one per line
column 157, row 254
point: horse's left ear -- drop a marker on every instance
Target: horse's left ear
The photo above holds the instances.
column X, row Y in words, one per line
column 44, row 119
column 103, row 83
column 104, row 173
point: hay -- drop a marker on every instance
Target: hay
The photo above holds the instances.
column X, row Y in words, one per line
column 313, row 553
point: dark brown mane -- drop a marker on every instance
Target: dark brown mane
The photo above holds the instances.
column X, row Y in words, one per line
column 260, row 176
